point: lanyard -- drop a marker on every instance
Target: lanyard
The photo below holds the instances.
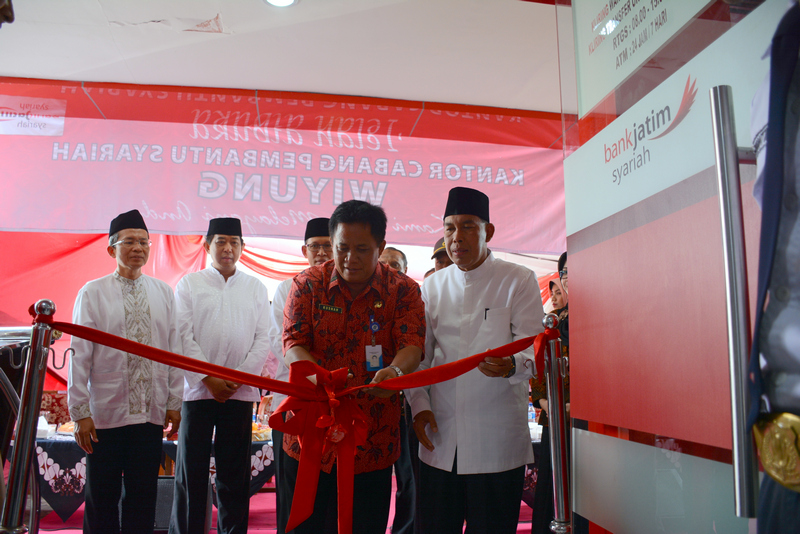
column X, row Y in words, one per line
column 373, row 327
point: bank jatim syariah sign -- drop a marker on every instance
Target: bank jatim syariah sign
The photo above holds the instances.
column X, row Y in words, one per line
column 67, row 174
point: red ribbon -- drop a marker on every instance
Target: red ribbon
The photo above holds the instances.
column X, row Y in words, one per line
column 172, row 359
column 539, row 345
column 326, row 415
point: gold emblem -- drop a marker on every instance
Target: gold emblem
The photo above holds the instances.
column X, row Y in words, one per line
column 379, row 304
column 777, row 441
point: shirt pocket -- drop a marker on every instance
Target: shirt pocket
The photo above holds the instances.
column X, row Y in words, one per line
column 109, row 395
column 160, row 385
column 495, row 330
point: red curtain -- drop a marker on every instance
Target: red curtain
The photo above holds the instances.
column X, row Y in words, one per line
column 259, row 261
column 175, row 256
column 56, row 266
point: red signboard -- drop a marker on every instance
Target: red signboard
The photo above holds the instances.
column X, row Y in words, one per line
column 182, row 156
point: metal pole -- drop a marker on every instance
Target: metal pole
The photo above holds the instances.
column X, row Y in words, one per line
column 13, row 335
column 25, row 430
column 13, row 401
column 555, row 372
column 745, row 467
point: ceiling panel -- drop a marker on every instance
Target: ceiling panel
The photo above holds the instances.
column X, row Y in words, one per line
column 480, row 52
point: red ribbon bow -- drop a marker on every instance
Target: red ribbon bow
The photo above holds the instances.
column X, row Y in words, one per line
column 322, row 420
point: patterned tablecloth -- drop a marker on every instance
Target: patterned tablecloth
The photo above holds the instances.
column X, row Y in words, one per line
column 62, row 470
column 531, row 472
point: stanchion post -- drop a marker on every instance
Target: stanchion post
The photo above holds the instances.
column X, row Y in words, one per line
column 12, row 399
column 555, row 369
column 27, row 420
column 745, row 467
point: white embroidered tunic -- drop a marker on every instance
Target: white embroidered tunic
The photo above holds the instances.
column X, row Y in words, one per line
column 117, row 388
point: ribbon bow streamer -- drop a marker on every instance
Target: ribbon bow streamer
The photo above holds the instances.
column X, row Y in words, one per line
column 326, row 415
column 334, row 421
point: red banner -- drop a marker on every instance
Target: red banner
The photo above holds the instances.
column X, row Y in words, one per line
column 276, row 109
column 272, row 164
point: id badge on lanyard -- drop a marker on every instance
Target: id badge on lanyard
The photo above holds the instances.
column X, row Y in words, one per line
column 373, row 352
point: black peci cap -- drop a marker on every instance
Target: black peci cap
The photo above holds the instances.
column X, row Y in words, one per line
column 466, row 201
column 317, row 228
column 124, row 221
column 224, row 226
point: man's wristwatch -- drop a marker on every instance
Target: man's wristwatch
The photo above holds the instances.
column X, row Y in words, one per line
column 513, row 368
column 396, row 370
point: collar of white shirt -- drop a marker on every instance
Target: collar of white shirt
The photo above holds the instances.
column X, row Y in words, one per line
column 479, row 272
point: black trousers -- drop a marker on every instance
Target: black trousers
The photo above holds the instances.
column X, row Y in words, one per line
column 284, row 490
column 405, row 470
column 232, row 420
column 488, row 502
column 372, row 493
column 135, row 451
column 543, row 506
column 280, row 492
column 778, row 508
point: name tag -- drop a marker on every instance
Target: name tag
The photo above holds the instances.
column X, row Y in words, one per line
column 374, row 357
column 329, row 308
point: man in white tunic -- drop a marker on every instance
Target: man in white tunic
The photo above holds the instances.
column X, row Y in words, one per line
column 224, row 319
column 121, row 402
column 317, row 250
column 473, row 430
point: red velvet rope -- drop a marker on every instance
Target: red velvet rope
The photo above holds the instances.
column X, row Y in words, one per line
column 325, row 415
column 540, row 343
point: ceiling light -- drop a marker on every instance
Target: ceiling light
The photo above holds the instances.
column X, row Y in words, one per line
column 281, row 3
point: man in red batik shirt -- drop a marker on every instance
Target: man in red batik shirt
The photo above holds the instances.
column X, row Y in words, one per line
column 355, row 312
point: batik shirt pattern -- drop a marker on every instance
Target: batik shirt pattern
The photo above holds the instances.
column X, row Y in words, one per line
column 138, row 329
column 321, row 314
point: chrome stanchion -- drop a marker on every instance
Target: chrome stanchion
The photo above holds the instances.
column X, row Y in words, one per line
column 555, row 369
column 11, row 520
column 745, row 466
column 12, row 399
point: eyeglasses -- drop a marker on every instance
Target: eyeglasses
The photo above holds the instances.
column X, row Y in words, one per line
column 314, row 247
column 128, row 243
column 563, row 273
column 234, row 243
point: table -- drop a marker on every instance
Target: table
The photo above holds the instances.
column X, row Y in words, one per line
column 62, row 474
column 262, row 468
column 62, row 470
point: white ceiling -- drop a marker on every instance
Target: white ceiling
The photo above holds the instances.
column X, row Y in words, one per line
column 481, row 52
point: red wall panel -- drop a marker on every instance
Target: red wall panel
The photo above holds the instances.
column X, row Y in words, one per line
column 648, row 326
